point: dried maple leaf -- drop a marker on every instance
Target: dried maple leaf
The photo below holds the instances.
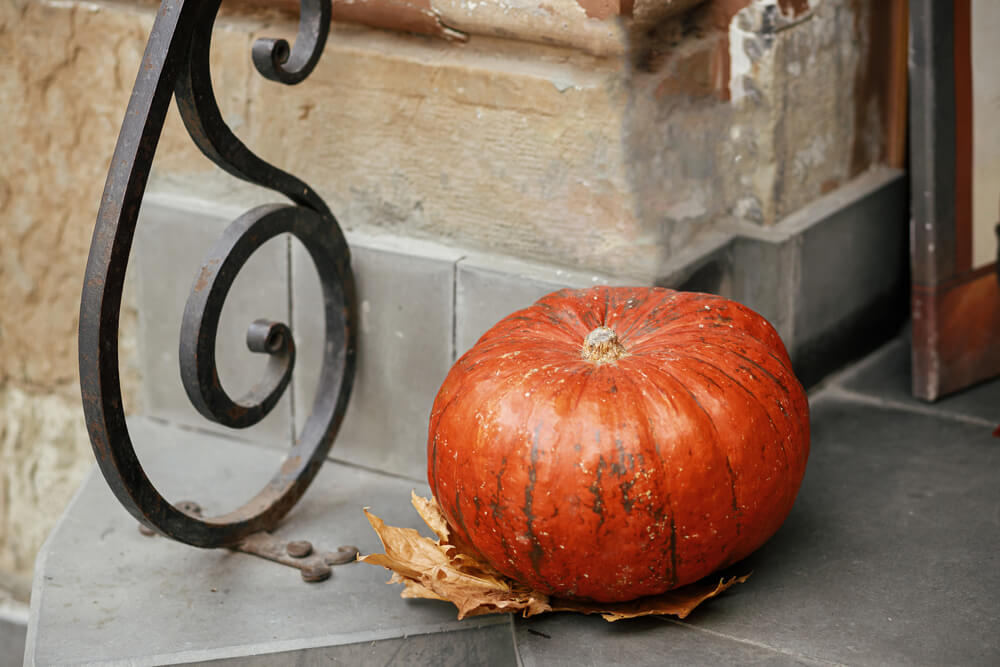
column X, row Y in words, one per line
column 452, row 571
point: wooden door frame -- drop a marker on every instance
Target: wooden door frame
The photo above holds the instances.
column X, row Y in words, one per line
column 955, row 308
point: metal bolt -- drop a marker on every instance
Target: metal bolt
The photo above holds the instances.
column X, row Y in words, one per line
column 299, row 548
column 314, row 573
column 189, row 507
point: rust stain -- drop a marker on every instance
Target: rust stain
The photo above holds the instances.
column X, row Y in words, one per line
column 650, row 10
column 701, row 74
column 704, row 73
column 718, row 14
column 872, row 22
column 204, row 277
column 602, row 9
column 290, row 465
column 793, row 8
column 406, row 15
column 417, row 16
column 829, row 186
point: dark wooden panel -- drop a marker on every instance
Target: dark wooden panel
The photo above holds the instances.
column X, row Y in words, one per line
column 896, row 113
column 956, row 328
column 932, row 141
column 956, row 310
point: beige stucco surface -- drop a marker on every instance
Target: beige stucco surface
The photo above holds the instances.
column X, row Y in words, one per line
column 67, row 74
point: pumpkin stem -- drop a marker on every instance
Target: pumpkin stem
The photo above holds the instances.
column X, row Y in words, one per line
column 602, row 346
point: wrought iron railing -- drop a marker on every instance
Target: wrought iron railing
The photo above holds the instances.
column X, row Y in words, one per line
column 176, row 64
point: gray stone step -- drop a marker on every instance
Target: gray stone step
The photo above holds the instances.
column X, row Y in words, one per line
column 105, row 594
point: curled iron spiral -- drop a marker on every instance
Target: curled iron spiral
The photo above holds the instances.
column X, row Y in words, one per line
column 176, row 64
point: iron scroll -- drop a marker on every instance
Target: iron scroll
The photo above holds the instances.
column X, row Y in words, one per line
column 176, row 65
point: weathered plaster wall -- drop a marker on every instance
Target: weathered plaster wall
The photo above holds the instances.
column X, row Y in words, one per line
column 67, row 76
column 68, row 71
column 61, row 95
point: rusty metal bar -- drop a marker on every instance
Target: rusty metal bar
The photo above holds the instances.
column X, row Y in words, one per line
column 175, row 64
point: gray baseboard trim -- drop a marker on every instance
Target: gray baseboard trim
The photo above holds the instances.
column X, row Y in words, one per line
column 833, row 278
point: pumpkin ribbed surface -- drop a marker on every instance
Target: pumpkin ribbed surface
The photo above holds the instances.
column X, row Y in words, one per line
column 613, row 443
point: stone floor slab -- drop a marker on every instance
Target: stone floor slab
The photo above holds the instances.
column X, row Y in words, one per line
column 890, row 554
column 477, row 645
column 569, row 640
column 104, row 593
column 886, row 376
column 888, row 557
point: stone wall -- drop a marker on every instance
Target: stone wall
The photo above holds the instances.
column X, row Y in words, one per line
column 611, row 148
column 63, row 92
column 63, row 88
column 609, row 156
column 752, row 115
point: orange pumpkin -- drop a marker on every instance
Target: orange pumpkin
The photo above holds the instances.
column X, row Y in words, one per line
column 612, row 443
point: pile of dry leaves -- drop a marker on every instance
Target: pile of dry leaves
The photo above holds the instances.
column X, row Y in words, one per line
column 448, row 570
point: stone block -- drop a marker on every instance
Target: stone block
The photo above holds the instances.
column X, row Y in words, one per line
column 851, row 289
column 764, row 277
column 831, row 278
column 172, row 238
column 853, row 245
column 62, row 99
column 406, row 294
column 601, row 158
column 489, row 287
column 71, row 72
column 507, row 146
